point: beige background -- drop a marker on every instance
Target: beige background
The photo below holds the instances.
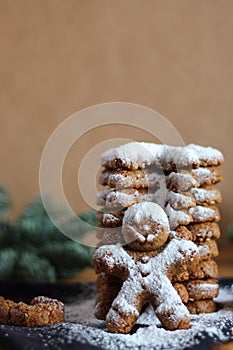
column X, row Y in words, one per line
column 57, row 57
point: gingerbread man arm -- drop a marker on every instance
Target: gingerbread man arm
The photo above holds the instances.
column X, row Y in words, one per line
column 113, row 259
column 108, row 288
column 177, row 257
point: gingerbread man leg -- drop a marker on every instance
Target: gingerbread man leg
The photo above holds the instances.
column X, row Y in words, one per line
column 107, row 288
column 168, row 305
column 126, row 308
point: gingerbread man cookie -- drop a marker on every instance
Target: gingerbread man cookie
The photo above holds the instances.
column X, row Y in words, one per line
column 146, row 280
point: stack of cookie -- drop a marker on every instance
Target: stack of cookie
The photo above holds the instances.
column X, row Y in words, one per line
column 182, row 181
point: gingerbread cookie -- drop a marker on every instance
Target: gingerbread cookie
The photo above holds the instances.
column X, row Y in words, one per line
column 182, row 181
column 141, row 285
column 207, row 176
column 203, row 214
column 201, row 306
column 208, row 249
column 178, row 217
column 207, row 230
column 41, row 312
column 202, row 289
column 145, row 226
column 138, row 155
column 206, row 195
column 108, row 217
column 204, row 269
column 113, row 198
column 126, row 179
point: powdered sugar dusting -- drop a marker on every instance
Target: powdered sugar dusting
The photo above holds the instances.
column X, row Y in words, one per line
column 177, row 217
column 82, row 326
column 86, row 329
column 136, row 155
column 146, row 211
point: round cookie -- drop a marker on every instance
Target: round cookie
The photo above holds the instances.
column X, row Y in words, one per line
column 205, row 269
column 138, row 155
column 145, row 226
column 206, row 195
column 110, row 218
column 201, row 306
column 207, row 230
column 202, row 289
column 181, row 232
column 208, row 249
column 133, row 155
column 178, row 217
column 115, row 198
column 182, row 181
column 125, row 179
column 179, row 201
column 203, row 214
column 207, row 176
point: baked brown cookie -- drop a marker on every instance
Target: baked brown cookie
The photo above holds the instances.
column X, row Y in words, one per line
column 42, row 311
column 115, row 198
column 201, row 306
column 138, row 155
column 206, row 195
column 145, row 280
column 182, row 181
column 110, row 218
column 145, row 226
column 181, row 232
column 202, row 289
column 208, row 249
column 178, row 217
column 204, row 269
column 207, row 176
column 203, row 214
column 207, row 230
column 127, row 179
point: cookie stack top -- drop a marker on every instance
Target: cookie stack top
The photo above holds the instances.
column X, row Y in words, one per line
column 180, row 179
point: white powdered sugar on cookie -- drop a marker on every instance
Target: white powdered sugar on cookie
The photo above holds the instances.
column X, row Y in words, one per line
column 202, row 214
column 206, row 155
column 136, row 155
column 82, row 326
column 183, row 181
column 207, row 176
column 177, row 217
column 206, row 195
column 142, row 177
column 180, row 200
column 140, row 284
